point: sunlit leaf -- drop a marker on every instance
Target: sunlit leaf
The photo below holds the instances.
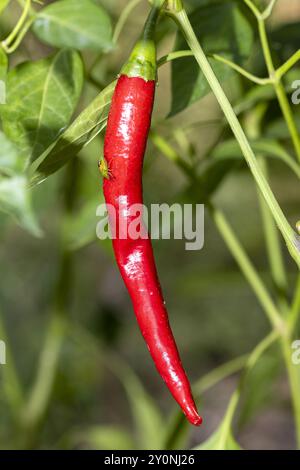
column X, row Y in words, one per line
column 76, row 24
column 41, row 99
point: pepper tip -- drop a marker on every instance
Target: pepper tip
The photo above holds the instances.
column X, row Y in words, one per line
column 193, row 416
column 196, row 420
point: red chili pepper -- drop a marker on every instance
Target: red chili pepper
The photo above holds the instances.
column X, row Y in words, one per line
column 124, row 147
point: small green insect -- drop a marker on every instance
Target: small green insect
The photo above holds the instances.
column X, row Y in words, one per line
column 103, row 168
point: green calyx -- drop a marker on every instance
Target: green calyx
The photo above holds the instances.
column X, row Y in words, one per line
column 142, row 61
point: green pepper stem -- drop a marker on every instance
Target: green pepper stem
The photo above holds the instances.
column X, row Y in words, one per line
column 142, row 61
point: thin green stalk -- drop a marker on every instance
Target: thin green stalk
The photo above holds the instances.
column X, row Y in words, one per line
column 12, row 36
column 292, row 371
column 225, row 428
column 123, row 18
column 278, row 86
column 294, row 381
column 260, row 349
column 281, row 71
column 254, row 357
column 286, row 230
column 247, row 268
column 220, row 373
column 273, row 247
column 173, row 56
column 272, row 241
column 167, row 150
column 19, row 39
column 253, row 8
column 242, row 71
column 269, row 9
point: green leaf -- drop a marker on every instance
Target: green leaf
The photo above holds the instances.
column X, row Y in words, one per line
column 219, row 441
column 104, row 438
column 80, row 231
column 258, row 386
column 279, row 130
column 85, row 127
column 147, row 417
column 3, row 5
column 79, row 25
column 10, row 163
column 15, row 201
column 41, row 99
column 222, row 28
column 256, row 94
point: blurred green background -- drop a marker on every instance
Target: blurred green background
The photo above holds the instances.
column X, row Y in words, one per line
column 106, row 392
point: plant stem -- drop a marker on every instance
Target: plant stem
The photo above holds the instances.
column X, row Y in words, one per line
column 219, row 373
column 292, row 371
column 12, row 36
column 294, row 381
column 269, row 9
column 272, row 241
column 278, row 86
column 15, row 45
column 281, row 71
column 253, row 358
column 273, row 247
column 240, row 70
column 173, row 56
column 288, row 233
column 123, row 18
column 167, row 150
column 227, row 422
column 247, row 268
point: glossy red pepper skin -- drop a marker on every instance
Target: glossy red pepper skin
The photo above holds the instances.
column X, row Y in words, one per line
column 124, row 147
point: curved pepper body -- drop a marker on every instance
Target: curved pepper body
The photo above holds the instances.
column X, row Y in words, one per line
column 124, row 147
